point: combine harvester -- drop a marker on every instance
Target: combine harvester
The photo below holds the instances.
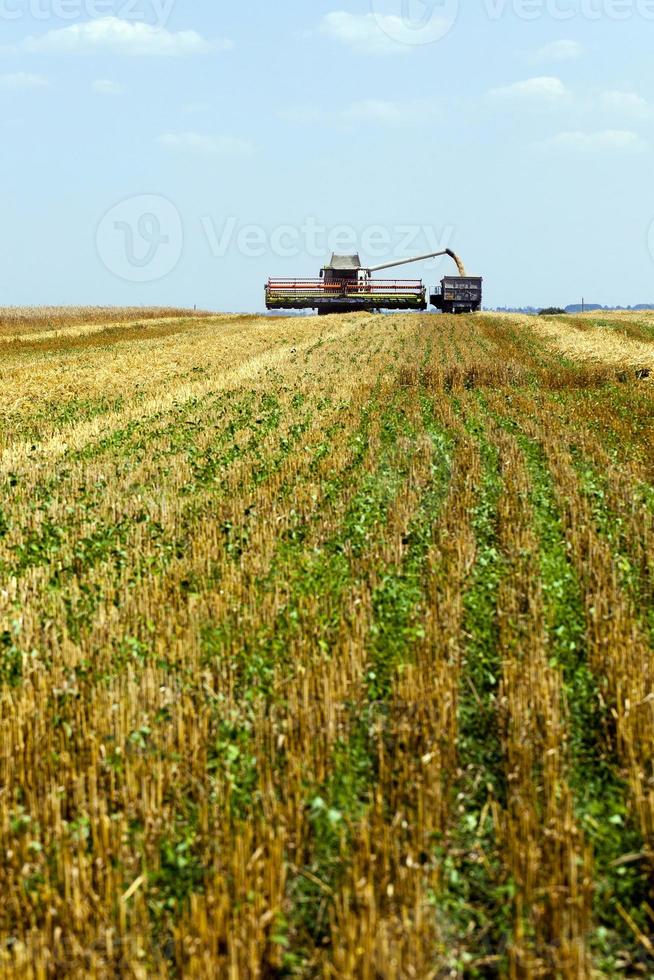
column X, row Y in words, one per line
column 345, row 286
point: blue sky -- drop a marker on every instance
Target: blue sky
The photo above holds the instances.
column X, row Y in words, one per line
column 159, row 152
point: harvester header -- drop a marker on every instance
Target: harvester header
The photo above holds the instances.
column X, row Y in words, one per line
column 345, row 285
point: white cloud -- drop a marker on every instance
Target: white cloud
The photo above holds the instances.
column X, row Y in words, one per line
column 22, row 80
column 625, row 103
column 606, row 140
column 105, row 86
column 367, row 33
column 115, row 36
column 376, row 112
column 545, row 89
column 559, row 51
column 207, row 145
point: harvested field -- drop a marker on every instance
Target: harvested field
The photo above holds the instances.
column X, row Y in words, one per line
column 624, row 340
column 326, row 648
column 16, row 321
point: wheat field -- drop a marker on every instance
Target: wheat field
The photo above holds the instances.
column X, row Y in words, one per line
column 326, row 646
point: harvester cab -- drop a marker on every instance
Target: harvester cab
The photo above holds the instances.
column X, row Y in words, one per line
column 345, row 285
column 342, row 268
